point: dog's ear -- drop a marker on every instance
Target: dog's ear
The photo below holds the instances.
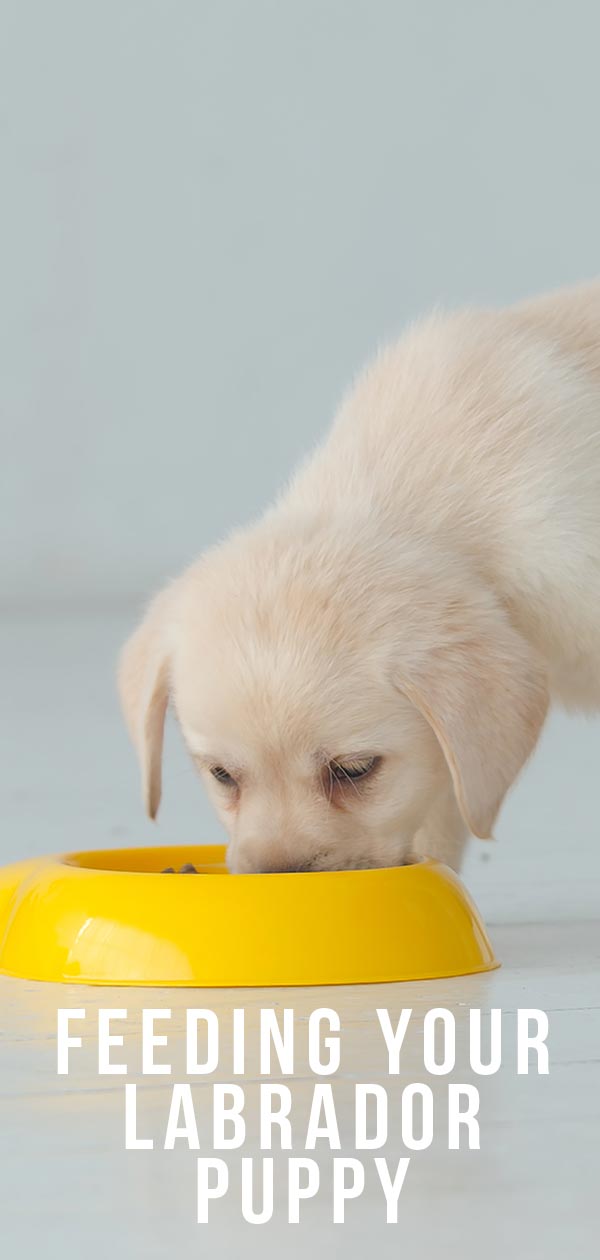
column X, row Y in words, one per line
column 485, row 696
column 143, row 678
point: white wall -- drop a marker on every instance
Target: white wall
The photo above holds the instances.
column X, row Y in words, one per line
column 214, row 209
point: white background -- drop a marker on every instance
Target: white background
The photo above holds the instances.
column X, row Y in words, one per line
column 212, row 213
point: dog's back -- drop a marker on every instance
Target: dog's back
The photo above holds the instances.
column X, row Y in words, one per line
column 571, row 318
column 481, row 430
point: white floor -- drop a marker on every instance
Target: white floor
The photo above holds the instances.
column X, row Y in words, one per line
column 67, row 1187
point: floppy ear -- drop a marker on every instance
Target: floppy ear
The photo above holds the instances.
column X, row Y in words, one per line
column 485, row 697
column 144, row 690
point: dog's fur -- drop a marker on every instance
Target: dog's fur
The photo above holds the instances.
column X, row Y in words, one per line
column 422, row 590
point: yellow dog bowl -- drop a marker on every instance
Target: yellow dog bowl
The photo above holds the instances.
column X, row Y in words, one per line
column 111, row 917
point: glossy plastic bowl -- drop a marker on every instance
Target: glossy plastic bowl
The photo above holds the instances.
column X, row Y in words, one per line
column 112, row 917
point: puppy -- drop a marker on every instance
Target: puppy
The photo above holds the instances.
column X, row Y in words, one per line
column 361, row 676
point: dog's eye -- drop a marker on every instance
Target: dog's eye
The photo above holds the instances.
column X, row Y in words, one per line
column 348, row 771
column 223, row 776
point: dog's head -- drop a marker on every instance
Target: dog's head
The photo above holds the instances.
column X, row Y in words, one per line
column 325, row 686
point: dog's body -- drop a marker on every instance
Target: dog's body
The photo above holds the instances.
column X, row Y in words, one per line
column 370, row 665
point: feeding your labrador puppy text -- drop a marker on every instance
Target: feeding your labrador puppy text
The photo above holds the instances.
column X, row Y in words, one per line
column 409, row 1115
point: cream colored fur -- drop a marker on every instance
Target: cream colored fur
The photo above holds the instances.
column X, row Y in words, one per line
column 426, row 585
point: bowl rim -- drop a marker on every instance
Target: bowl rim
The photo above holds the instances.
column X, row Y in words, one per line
column 81, row 860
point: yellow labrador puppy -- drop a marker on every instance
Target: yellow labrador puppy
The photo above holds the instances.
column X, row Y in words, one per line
column 360, row 676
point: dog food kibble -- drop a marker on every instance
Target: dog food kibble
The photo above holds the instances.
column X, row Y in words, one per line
column 186, row 869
